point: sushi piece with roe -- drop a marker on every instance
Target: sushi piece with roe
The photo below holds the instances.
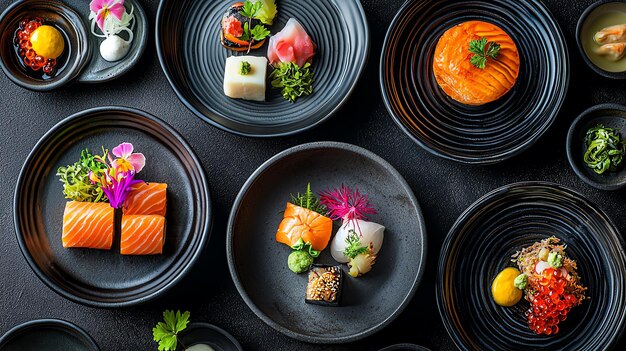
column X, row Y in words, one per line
column 305, row 228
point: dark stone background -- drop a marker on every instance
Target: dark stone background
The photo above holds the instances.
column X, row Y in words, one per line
column 443, row 188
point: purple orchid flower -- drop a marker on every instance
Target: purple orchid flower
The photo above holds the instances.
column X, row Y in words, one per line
column 104, row 8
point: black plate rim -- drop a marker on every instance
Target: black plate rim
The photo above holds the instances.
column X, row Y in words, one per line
column 208, row 216
column 457, row 340
column 232, row 267
column 478, row 160
column 570, row 145
column 88, row 340
column 197, row 113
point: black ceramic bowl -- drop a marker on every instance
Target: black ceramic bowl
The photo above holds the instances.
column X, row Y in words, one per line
column 189, row 49
column 609, row 115
column 404, row 347
column 204, row 333
column 258, row 264
column 66, row 20
column 587, row 26
column 105, row 278
column 473, row 134
column 49, row 335
column 480, row 245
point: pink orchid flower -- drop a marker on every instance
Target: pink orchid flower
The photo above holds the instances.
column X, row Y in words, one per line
column 127, row 160
column 104, row 8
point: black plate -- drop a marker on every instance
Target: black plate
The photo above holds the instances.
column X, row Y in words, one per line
column 106, row 278
column 189, row 49
column 473, row 134
column 480, row 245
column 49, row 335
column 404, row 347
column 258, row 264
column 609, row 115
column 208, row 334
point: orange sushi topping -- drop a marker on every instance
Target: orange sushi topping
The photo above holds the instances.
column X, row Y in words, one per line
column 463, row 81
column 301, row 223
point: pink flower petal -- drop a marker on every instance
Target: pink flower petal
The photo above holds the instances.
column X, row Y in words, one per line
column 123, row 150
column 97, row 5
column 100, row 19
column 138, row 161
column 117, row 10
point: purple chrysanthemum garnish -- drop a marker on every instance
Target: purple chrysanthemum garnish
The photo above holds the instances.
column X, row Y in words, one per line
column 347, row 205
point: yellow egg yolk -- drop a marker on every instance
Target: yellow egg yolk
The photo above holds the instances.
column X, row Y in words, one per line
column 503, row 288
column 47, row 42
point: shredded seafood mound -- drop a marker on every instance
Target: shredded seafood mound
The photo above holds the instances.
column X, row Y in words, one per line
column 528, row 258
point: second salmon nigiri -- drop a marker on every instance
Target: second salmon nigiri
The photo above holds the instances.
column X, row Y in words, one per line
column 142, row 235
column 88, row 225
column 146, row 199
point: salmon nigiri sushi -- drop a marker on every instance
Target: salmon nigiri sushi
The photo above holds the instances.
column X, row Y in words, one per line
column 142, row 235
column 302, row 223
column 146, row 199
column 88, row 225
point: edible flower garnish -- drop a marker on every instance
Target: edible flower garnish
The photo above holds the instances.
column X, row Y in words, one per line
column 482, row 49
column 111, row 17
column 347, row 205
column 166, row 333
column 75, row 178
column 119, row 176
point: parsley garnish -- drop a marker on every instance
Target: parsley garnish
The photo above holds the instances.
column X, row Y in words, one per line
column 166, row 333
column 482, row 49
column 354, row 247
column 256, row 33
column 309, row 201
column 294, row 81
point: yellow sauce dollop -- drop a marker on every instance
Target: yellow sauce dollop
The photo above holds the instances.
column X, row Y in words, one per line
column 503, row 288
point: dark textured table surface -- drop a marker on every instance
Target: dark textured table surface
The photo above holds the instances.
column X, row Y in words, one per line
column 443, row 188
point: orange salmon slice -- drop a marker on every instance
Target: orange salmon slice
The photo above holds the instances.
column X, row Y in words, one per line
column 88, row 225
column 142, row 234
column 299, row 222
column 146, row 199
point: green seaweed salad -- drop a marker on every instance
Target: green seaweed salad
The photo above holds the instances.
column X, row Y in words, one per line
column 75, row 178
column 605, row 149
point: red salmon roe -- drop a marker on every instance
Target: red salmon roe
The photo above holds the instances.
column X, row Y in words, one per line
column 25, row 51
column 550, row 304
column 232, row 26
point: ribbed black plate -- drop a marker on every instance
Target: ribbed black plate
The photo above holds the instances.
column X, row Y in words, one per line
column 258, row 264
column 103, row 278
column 49, row 335
column 481, row 243
column 189, row 49
column 473, row 134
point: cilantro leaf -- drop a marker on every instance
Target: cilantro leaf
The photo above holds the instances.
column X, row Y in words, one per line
column 482, row 49
column 259, row 32
column 249, row 9
column 166, row 333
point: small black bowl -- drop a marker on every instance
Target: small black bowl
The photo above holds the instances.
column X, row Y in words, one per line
column 404, row 347
column 585, row 28
column 204, row 333
column 47, row 334
column 77, row 49
column 610, row 115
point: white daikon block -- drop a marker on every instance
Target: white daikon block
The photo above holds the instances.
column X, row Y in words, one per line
column 250, row 86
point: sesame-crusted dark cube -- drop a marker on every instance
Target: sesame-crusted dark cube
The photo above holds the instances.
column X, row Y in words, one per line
column 325, row 285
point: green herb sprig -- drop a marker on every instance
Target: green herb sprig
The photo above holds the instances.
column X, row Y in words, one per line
column 605, row 149
column 75, row 178
column 166, row 333
column 354, row 247
column 309, row 201
column 256, row 33
column 294, row 81
column 482, row 50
